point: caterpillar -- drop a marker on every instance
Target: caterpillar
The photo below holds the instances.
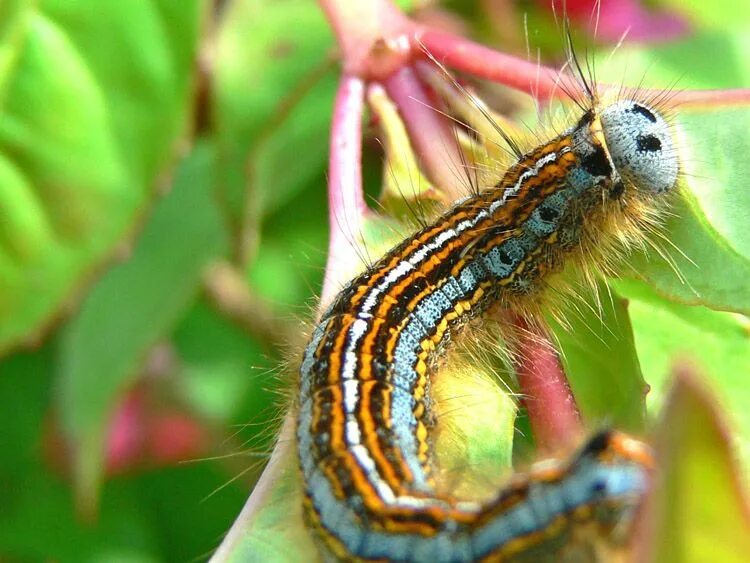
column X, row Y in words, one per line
column 365, row 405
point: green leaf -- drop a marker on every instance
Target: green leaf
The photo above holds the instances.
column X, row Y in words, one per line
column 699, row 510
column 24, row 394
column 189, row 505
column 600, row 360
column 131, row 308
column 667, row 332
column 720, row 14
column 288, row 266
column 696, row 266
column 222, row 372
column 84, row 133
column 716, row 169
column 41, row 524
column 14, row 18
column 681, row 64
column 274, row 94
column 38, row 519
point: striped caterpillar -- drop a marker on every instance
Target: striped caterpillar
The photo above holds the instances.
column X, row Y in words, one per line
column 365, row 402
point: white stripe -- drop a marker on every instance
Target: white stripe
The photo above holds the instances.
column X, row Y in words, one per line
column 362, row 455
column 512, row 192
column 420, row 254
column 415, row 260
column 391, row 277
column 358, row 328
column 353, row 435
column 351, row 395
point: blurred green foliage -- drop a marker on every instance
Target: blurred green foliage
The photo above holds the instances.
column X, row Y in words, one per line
column 111, row 215
column 116, row 200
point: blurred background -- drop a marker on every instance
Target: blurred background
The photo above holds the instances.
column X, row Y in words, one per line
column 163, row 228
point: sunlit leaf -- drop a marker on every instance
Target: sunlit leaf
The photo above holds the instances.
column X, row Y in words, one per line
column 222, row 369
column 706, row 244
column 84, row 136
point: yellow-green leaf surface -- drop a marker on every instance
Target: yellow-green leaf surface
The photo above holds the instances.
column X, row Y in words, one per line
column 699, row 511
column 85, row 133
column 270, row 527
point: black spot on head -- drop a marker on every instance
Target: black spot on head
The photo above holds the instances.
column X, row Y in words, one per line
column 547, row 214
column 645, row 112
column 648, row 143
column 596, row 163
column 505, row 258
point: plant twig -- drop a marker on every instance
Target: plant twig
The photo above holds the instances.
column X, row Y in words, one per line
column 553, row 413
column 346, row 203
column 435, row 144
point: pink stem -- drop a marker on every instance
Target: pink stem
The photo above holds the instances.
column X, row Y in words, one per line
column 434, row 142
column 541, row 82
column 553, row 413
column 372, row 35
column 451, row 50
column 346, row 204
column 737, row 96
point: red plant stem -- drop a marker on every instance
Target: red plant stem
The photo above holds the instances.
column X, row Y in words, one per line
column 738, row 96
column 553, row 413
column 429, row 131
column 372, row 34
column 451, row 50
column 346, row 204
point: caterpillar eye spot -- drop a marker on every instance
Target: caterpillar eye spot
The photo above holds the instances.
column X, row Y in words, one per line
column 644, row 111
column 648, row 143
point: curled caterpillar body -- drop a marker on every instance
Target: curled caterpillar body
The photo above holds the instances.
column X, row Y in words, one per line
column 365, row 409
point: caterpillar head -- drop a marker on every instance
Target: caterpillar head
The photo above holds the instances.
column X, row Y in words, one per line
column 641, row 146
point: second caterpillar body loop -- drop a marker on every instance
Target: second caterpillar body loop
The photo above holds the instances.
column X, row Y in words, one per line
column 365, row 409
